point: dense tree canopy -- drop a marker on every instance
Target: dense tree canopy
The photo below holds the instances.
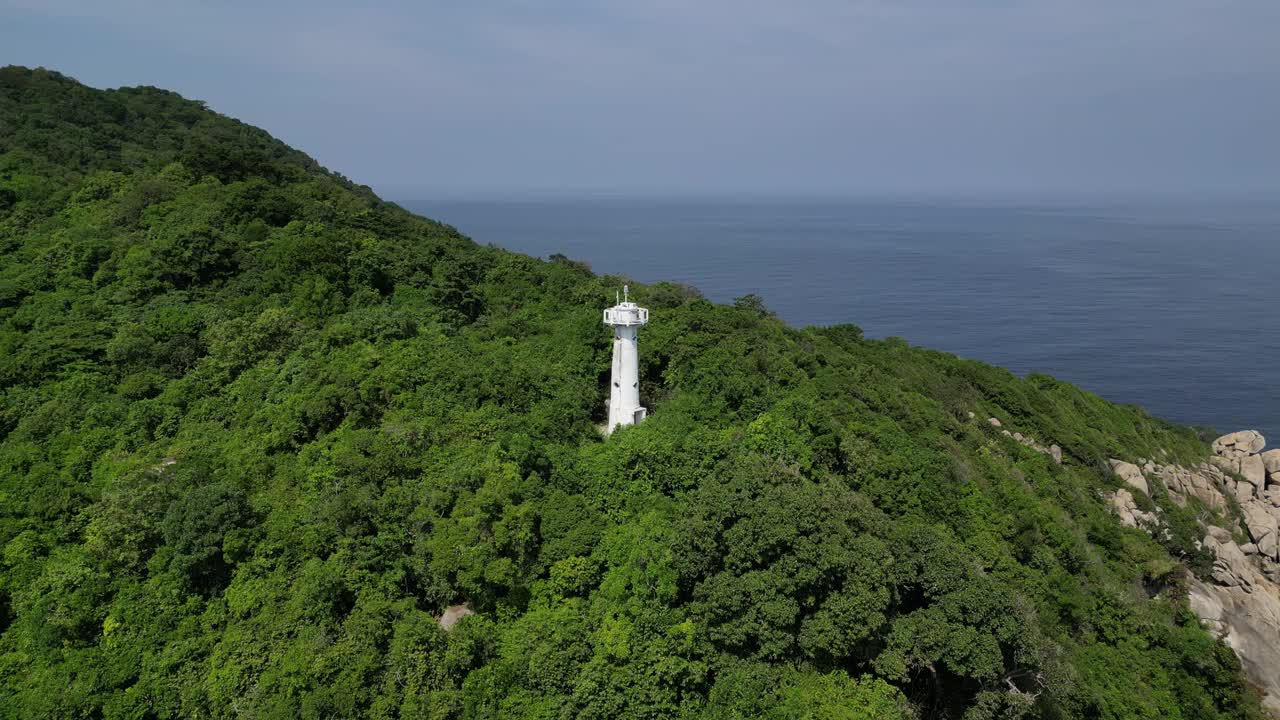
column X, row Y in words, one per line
column 258, row 428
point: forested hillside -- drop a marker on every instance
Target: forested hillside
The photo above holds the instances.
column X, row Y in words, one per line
column 259, row 428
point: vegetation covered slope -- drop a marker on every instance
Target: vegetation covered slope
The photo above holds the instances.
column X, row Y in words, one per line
column 259, row 428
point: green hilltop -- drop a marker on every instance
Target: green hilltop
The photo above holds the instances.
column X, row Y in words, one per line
column 260, row 428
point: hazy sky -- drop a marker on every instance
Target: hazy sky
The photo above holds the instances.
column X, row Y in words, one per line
column 713, row 96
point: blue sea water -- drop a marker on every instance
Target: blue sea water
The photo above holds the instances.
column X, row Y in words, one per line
column 1175, row 307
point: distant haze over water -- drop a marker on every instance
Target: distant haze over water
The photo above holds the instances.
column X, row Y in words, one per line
column 1175, row 307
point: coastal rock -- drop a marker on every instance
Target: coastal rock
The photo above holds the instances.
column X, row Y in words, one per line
column 1218, row 534
column 1211, row 482
column 1271, row 462
column 1239, row 444
column 1223, row 464
column 1242, row 606
column 1056, row 453
column 1249, row 467
column 1253, row 469
column 1128, row 511
column 1231, row 567
column 994, row 422
column 1130, row 473
column 1203, row 483
column 1269, row 547
column 1261, row 521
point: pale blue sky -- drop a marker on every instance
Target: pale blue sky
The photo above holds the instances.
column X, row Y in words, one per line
column 833, row 97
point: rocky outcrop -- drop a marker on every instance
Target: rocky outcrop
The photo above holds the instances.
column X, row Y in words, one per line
column 1204, row 482
column 1253, row 470
column 1239, row 444
column 1131, row 475
column 1241, row 602
column 1241, row 453
column 1271, row 463
column 1242, row 606
column 1052, row 451
column 1261, row 520
column 1130, row 514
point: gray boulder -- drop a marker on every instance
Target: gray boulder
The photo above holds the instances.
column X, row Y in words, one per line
column 1245, row 491
column 1130, row 474
column 1260, row 519
column 1251, row 468
column 1129, row 513
column 1271, row 461
column 1239, row 444
column 1203, row 482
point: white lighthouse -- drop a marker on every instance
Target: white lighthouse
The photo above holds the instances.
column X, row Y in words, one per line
column 624, row 392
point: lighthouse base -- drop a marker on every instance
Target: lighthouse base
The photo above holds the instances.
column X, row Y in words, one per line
column 634, row 416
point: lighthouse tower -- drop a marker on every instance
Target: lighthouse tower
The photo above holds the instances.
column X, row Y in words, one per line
column 624, row 392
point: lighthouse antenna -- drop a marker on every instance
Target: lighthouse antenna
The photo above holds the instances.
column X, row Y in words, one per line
column 616, row 299
column 626, row 290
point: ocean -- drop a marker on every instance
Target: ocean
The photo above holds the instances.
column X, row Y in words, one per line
column 1172, row 306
